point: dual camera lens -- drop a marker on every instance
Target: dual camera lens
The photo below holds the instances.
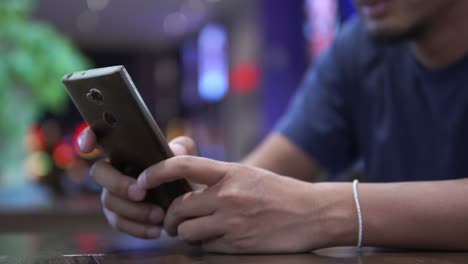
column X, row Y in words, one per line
column 95, row 96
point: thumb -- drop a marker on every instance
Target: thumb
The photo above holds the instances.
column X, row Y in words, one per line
column 183, row 146
column 87, row 140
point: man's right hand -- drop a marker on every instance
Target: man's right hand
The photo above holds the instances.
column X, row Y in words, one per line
column 122, row 199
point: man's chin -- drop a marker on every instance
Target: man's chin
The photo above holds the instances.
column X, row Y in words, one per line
column 384, row 33
column 389, row 35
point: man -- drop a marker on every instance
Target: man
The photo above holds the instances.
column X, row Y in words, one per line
column 390, row 92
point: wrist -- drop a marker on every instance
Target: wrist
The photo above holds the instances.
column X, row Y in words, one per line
column 338, row 213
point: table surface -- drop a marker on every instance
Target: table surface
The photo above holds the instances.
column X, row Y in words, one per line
column 59, row 215
column 75, row 231
column 111, row 247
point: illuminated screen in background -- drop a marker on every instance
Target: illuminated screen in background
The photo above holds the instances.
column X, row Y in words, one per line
column 324, row 18
column 213, row 81
column 205, row 83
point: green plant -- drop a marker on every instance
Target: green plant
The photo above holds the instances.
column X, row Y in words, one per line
column 33, row 58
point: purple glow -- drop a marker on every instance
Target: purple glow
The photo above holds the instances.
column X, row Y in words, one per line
column 213, row 79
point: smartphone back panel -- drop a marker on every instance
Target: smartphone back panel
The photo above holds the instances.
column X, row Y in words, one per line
column 110, row 103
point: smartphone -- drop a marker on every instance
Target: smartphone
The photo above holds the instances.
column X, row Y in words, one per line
column 109, row 102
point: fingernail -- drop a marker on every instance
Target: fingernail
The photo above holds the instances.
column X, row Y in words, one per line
column 80, row 139
column 141, row 179
column 136, row 193
column 156, row 215
column 153, row 232
column 178, row 149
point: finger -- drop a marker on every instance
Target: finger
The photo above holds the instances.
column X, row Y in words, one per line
column 190, row 205
column 132, row 228
column 196, row 169
column 115, row 182
column 138, row 212
column 183, row 146
column 87, row 140
column 201, row 229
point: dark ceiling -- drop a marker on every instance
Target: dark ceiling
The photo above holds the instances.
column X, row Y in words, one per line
column 143, row 24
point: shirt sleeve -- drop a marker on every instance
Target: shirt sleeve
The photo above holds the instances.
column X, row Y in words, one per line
column 318, row 119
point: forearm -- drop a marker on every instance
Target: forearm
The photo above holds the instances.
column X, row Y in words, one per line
column 279, row 155
column 425, row 215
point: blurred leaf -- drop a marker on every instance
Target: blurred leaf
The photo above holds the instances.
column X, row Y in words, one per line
column 33, row 59
column 12, row 9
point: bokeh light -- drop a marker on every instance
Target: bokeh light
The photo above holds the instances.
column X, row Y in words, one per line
column 244, row 77
column 63, row 154
column 97, row 5
column 176, row 23
column 37, row 165
column 213, row 81
column 35, row 140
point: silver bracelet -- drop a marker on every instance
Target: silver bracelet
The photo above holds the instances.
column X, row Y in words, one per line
column 358, row 207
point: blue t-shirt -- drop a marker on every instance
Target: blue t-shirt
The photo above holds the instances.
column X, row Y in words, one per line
column 371, row 101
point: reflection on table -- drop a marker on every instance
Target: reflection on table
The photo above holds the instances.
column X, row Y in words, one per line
column 112, row 247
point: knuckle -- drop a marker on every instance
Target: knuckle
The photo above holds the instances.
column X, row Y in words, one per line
column 175, row 206
column 184, row 233
column 236, row 223
column 149, row 176
column 176, row 213
column 121, row 187
column 184, row 162
column 102, row 173
column 146, row 213
column 231, row 195
column 238, row 191
column 233, row 169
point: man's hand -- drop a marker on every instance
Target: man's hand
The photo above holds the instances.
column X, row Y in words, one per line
column 242, row 209
column 121, row 196
column 249, row 210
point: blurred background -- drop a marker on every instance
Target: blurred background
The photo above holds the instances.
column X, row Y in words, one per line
column 220, row 71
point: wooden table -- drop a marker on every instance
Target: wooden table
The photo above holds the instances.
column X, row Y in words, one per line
column 110, row 247
column 75, row 231
column 61, row 215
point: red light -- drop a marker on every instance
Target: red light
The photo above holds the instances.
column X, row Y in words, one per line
column 35, row 139
column 79, row 128
column 244, row 77
column 63, row 154
column 87, row 242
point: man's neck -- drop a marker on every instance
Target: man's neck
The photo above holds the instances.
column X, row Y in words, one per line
column 445, row 40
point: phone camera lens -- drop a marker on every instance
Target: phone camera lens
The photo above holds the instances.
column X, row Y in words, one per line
column 95, row 96
column 109, row 119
